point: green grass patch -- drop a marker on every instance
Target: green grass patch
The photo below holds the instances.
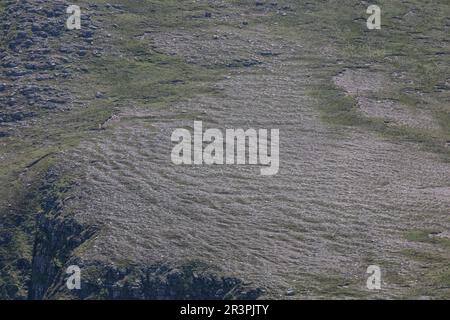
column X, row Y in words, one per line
column 411, row 43
column 427, row 236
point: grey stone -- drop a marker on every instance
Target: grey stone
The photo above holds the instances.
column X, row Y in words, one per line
column 290, row 292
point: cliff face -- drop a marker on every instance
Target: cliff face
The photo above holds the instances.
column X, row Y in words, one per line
column 29, row 67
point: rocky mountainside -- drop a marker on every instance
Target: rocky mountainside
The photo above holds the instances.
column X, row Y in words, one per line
column 36, row 70
column 86, row 118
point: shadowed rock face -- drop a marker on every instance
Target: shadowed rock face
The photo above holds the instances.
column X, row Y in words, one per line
column 141, row 227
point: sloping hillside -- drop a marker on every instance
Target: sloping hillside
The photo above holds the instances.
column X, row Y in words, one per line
column 85, row 127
